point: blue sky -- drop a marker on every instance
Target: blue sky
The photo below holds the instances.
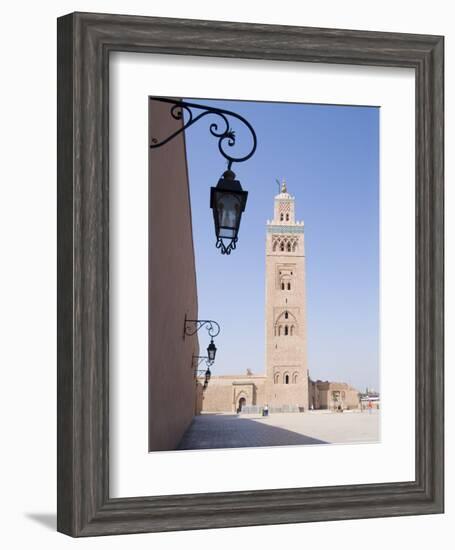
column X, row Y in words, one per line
column 329, row 156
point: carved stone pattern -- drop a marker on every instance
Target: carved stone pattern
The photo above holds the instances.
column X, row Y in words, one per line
column 281, row 243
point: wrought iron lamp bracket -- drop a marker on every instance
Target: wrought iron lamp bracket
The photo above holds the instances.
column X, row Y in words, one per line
column 192, row 326
column 198, row 360
column 225, row 135
column 199, row 372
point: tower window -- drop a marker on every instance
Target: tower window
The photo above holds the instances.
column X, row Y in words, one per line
column 286, row 379
column 282, row 286
column 289, row 247
column 282, row 247
column 289, row 286
column 287, row 217
column 286, row 330
column 281, row 217
column 286, row 315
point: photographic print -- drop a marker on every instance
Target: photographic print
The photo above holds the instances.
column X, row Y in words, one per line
column 263, row 274
column 177, row 331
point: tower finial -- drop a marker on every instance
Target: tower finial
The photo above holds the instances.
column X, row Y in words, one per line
column 283, row 186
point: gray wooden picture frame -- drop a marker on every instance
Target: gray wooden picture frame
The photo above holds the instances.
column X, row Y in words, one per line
column 84, row 505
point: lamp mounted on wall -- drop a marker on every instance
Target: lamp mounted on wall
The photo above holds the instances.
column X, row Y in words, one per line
column 207, row 377
column 197, row 360
column 227, row 199
column 192, row 326
column 206, row 373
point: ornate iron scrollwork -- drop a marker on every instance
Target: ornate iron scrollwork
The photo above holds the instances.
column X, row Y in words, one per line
column 194, row 325
column 225, row 134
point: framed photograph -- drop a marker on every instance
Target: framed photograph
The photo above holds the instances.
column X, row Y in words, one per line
column 250, row 274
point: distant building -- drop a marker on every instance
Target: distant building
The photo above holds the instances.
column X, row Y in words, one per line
column 332, row 395
column 285, row 386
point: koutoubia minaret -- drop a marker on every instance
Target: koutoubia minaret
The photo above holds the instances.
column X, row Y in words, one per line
column 285, row 307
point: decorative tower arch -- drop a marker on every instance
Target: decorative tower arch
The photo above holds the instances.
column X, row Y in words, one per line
column 285, row 309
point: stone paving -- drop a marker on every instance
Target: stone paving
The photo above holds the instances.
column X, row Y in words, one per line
column 221, row 431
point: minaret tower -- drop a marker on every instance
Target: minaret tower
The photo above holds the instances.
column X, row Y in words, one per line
column 285, row 307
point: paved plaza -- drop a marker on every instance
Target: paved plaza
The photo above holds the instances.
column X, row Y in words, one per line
column 221, row 431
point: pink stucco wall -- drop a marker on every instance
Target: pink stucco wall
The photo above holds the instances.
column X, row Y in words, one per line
column 172, row 286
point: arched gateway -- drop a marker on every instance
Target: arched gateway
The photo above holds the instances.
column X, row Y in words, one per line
column 242, row 403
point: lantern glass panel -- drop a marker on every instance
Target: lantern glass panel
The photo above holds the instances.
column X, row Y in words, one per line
column 228, row 206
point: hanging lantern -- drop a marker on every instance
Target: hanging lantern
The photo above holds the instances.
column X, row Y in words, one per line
column 228, row 201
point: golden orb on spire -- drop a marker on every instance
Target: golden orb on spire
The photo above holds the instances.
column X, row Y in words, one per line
column 283, row 186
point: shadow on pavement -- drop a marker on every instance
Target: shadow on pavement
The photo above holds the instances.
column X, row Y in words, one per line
column 231, row 431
